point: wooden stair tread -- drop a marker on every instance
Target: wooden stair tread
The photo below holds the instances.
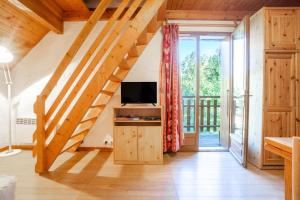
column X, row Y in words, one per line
column 127, row 63
column 145, row 38
column 108, row 93
column 70, row 145
column 98, row 106
column 80, row 131
column 115, row 79
column 79, row 136
column 89, row 119
column 136, row 50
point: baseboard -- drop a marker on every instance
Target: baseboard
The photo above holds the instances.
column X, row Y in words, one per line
column 30, row 147
column 23, row 147
column 103, row 149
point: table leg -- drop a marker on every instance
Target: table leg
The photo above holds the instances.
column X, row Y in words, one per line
column 288, row 179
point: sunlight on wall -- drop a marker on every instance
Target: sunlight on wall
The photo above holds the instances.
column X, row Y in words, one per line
column 3, row 120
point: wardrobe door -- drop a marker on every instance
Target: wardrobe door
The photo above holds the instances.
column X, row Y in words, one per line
column 281, row 29
column 280, row 81
column 276, row 124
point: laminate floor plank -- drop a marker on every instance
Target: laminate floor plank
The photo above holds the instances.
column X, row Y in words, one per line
column 184, row 176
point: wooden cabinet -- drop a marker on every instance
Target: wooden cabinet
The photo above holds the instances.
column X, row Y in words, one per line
column 274, row 68
column 282, row 28
column 125, row 139
column 149, row 144
column 138, row 136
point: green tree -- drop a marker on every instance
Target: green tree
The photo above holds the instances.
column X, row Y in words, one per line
column 188, row 75
column 209, row 75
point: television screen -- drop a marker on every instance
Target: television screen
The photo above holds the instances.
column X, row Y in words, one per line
column 138, row 92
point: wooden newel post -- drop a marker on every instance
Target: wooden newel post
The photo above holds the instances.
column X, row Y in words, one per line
column 39, row 109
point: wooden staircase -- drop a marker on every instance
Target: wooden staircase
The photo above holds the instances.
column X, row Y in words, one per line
column 95, row 79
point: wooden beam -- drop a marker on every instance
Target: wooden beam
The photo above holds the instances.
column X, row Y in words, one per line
column 45, row 12
column 206, row 14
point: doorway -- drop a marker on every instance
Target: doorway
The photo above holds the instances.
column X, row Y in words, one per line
column 204, row 64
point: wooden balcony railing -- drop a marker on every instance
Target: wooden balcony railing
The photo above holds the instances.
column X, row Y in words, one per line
column 209, row 113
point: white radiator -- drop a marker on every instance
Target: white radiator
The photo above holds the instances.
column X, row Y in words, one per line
column 24, row 130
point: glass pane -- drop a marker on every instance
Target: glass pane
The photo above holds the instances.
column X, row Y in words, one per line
column 187, row 60
column 238, row 82
column 210, row 90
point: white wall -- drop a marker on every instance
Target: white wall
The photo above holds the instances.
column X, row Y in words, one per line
column 3, row 112
column 147, row 68
column 33, row 72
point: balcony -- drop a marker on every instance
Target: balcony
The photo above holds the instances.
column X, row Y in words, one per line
column 209, row 119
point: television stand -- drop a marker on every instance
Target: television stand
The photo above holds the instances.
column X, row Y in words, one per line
column 138, row 137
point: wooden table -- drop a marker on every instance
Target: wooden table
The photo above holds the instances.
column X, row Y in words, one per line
column 283, row 147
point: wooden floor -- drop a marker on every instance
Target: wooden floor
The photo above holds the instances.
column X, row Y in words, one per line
column 91, row 175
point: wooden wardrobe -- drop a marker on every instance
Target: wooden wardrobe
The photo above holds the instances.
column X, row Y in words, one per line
column 274, row 81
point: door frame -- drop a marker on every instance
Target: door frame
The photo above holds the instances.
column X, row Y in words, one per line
column 246, row 21
column 193, row 137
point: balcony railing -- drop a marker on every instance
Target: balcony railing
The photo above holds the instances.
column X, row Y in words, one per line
column 209, row 113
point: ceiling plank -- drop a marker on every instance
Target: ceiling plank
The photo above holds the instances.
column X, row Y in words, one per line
column 40, row 11
column 72, row 5
column 206, row 15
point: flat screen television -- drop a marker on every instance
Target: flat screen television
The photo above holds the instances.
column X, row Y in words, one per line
column 138, row 92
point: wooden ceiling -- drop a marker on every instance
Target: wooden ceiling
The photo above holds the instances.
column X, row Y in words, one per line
column 226, row 5
column 19, row 32
column 23, row 23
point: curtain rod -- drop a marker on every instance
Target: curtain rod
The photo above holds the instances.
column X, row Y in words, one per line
column 206, row 25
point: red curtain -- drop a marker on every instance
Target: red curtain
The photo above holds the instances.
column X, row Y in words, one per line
column 170, row 95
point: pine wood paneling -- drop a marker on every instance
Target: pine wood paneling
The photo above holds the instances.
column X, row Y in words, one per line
column 42, row 11
column 279, row 80
column 277, row 124
column 19, row 32
column 282, row 29
column 72, row 5
column 252, row 5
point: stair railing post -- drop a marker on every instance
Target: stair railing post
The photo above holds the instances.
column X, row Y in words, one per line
column 39, row 108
